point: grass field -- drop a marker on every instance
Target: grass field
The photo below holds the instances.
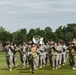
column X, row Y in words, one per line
column 64, row 70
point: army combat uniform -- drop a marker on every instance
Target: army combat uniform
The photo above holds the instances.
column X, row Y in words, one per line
column 9, row 56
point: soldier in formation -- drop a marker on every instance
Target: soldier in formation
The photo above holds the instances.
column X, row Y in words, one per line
column 37, row 55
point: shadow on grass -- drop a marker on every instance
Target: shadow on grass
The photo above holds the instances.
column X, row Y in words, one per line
column 4, row 68
column 26, row 68
column 48, row 67
column 25, row 71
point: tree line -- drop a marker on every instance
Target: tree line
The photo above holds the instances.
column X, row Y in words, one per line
column 66, row 33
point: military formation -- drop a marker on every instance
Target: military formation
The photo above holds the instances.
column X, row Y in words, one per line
column 37, row 54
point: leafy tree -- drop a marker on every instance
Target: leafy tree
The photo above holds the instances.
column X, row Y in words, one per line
column 68, row 37
column 67, row 33
column 48, row 33
column 55, row 37
column 70, row 27
column 5, row 36
column 74, row 32
column 2, row 29
column 20, row 36
column 31, row 34
column 37, row 31
column 42, row 34
column 59, row 33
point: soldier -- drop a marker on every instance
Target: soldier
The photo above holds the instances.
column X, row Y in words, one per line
column 23, row 55
column 48, row 49
column 59, row 50
column 53, row 56
column 38, row 55
column 28, row 52
column 64, row 54
column 9, row 55
column 72, row 54
column 15, row 53
column 33, row 57
column 41, row 57
column 45, row 54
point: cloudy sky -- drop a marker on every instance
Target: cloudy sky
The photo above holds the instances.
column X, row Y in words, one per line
column 18, row 14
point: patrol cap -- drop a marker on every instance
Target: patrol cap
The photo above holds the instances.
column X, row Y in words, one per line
column 61, row 41
column 71, row 43
column 8, row 42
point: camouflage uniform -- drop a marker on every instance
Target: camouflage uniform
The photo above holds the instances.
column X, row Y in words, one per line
column 23, row 55
column 9, row 56
column 33, row 58
column 72, row 55
column 64, row 54
column 59, row 50
column 53, row 56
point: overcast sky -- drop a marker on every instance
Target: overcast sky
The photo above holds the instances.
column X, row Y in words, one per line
column 18, row 14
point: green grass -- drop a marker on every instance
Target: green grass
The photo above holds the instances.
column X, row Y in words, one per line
column 64, row 70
